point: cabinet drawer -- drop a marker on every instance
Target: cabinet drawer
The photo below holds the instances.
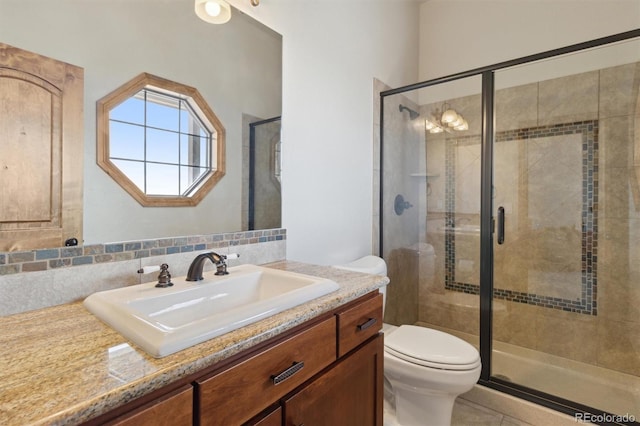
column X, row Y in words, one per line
column 358, row 323
column 237, row 394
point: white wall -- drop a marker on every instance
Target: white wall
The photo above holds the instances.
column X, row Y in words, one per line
column 460, row 35
column 332, row 50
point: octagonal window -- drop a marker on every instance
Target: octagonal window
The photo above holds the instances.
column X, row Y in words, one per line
column 160, row 141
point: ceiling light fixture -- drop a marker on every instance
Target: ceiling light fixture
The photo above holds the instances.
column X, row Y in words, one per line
column 446, row 121
column 213, row 11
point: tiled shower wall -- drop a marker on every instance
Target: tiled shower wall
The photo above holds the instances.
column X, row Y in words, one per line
column 609, row 334
column 536, row 208
column 40, row 278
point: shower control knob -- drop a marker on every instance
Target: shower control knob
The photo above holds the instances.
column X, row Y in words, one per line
column 400, row 205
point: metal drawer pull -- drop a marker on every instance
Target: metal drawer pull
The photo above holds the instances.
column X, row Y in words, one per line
column 295, row 367
column 367, row 324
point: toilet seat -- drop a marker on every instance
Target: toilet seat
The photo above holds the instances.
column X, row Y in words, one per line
column 431, row 348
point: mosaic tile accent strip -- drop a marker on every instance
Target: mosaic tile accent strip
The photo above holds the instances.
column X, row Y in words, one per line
column 587, row 302
column 450, row 211
column 44, row 259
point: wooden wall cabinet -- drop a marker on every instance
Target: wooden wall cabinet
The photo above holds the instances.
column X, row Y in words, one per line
column 327, row 372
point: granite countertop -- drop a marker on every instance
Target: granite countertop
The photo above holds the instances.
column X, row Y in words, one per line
column 62, row 365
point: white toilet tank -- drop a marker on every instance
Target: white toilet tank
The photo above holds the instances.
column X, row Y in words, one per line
column 369, row 265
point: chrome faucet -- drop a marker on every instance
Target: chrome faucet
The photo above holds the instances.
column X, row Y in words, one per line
column 220, row 260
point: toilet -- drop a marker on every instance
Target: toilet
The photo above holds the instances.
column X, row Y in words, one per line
column 425, row 369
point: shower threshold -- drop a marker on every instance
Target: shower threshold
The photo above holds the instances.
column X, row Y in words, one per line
column 586, row 384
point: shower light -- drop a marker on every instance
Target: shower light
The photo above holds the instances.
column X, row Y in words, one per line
column 447, row 121
column 449, row 116
column 457, row 122
column 213, row 11
column 463, row 126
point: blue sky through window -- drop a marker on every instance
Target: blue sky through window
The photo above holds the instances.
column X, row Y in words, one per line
column 159, row 143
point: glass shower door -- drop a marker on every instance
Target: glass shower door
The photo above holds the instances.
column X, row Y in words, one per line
column 431, row 161
column 565, row 244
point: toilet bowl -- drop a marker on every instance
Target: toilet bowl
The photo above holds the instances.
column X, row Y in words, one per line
column 425, row 370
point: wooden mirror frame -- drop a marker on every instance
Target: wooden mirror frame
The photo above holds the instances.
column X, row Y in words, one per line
column 129, row 89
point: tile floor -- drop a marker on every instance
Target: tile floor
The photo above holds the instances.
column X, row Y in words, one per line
column 466, row 413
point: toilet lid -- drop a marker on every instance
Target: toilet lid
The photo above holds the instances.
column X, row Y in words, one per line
column 431, row 348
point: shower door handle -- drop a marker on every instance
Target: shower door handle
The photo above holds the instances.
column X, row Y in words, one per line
column 500, row 225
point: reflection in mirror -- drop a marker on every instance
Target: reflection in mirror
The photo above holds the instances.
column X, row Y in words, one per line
column 264, row 174
column 237, row 67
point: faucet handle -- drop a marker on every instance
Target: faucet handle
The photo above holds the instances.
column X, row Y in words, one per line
column 149, row 269
column 221, row 267
column 164, row 279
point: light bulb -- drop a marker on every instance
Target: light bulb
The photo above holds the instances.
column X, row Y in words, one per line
column 462, row 126
column 212, row 8
column 428, row 125
column 449, row 116
column 458, row 121
column 436, row 130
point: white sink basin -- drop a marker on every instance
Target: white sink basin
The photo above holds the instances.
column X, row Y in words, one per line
column 166, row 320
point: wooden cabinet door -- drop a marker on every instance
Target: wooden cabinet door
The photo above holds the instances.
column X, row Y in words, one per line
column 174, row 409
column 271, row 417
column 41, row 150
column 350, row 394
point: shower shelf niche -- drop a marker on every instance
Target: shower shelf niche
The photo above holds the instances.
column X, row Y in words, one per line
column 425, row 175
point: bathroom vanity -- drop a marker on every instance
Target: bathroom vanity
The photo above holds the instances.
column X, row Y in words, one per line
column 318, row 363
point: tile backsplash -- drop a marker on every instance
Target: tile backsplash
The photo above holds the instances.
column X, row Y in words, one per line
column 40, row 278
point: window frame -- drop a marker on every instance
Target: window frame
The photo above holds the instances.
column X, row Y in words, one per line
column 204, row 114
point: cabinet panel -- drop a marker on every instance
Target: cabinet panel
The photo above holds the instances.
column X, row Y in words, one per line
column 350, row 394
column 237, row 394
column 175, row 409
column 41, row 134
column 358, row 323
column 273, row 418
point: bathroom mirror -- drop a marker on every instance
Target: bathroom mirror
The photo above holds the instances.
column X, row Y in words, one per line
column 237, row 67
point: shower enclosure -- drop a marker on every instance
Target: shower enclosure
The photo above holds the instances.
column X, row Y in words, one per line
column 518, row 226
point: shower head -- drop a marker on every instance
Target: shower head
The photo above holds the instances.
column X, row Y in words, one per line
column 412, row 114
